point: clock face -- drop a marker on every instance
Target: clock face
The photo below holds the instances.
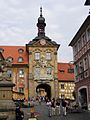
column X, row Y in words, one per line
column 42, row 42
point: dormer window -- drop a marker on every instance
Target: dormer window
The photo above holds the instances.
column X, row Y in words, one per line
column 62, row 71
column 1, row 50
column 20, row 51
column 20, row 59
column 10, row 59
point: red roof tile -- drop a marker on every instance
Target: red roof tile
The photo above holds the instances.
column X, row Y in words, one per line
column 12, row 51
column 63, row 74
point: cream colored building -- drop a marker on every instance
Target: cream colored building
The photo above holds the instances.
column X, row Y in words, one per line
column 66, row 80
column 43, row 70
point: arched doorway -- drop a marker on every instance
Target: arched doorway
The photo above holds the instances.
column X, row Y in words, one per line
column 44, row 90
column 83, row 98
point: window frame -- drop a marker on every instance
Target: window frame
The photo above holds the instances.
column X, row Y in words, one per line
column 48, row 55
column 37, row 56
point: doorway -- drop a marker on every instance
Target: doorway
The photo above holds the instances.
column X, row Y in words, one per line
column 83, row 98
column 44, row 90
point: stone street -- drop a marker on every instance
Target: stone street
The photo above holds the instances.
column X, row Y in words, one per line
column 42, row 109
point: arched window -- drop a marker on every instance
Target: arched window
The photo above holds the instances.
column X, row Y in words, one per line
column 20, row 59
column 20, row 50
column 1, row 50
column 10, row 59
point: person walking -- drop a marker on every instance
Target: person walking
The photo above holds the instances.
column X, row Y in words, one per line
column 49, row 107
column 57, row 109
column 53, row 106
column 64, row 104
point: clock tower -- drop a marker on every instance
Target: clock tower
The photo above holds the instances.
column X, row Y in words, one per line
column 43, row 70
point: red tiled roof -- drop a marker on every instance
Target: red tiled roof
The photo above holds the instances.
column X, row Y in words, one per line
column 12, row 51
column 64, row 75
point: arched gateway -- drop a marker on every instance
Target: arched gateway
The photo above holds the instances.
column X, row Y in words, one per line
column 43, row 70
column 83, row 97
column 44, row 90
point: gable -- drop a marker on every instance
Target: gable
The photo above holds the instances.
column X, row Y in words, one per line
column 43, row 43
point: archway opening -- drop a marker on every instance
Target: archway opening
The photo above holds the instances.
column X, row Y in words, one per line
column 44, row 90
column 83, row 98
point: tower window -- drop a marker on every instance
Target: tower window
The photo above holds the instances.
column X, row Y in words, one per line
column 37, row 56
column 48, row 56
column 37, row 72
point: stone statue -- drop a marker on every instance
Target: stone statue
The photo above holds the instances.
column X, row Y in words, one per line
column 4, row 64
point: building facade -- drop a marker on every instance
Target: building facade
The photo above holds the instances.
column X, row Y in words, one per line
column 81, row 54
column 66, row 80
column 18, row 72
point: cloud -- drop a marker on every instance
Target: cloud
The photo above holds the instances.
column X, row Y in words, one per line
column 18, row 20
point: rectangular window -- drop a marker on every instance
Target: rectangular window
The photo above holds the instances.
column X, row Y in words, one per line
column 62, row 86
column 9, row 73
column 37, row 56
column 88, row 34
column 37, row 72
column 89, row 59
column 48, row 56
column 21, row 90
column 49, row 71
column 71, row 70
column 21, row 73
column 83, row 40
column 85, row 63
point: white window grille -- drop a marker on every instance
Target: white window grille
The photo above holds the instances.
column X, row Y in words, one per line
column 37, row 56
column 48, row 56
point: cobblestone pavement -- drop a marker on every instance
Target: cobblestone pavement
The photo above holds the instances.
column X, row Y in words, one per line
column 42, row 109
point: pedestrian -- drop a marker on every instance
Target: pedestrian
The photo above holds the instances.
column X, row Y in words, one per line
column 64, row 104
column 57, row 109
column 53, row 106
column 49, row 107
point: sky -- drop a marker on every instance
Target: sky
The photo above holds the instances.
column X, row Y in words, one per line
column 18, row 19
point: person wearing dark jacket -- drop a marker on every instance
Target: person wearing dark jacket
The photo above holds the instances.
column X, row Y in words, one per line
column 64, row 104
column 53, row 106
column 57, row 107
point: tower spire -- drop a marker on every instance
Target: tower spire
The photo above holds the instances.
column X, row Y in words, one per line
column 41, row 24
column 41, row 11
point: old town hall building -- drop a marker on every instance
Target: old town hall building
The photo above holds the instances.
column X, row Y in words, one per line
column 34, row 67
